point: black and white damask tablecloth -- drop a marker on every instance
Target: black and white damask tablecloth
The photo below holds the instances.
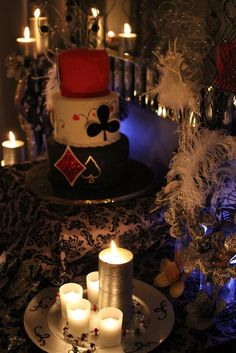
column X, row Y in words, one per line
column 44, row 243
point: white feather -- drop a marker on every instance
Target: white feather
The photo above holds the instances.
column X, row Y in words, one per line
column 200, row 166
column 52, row 86
column 173, row 91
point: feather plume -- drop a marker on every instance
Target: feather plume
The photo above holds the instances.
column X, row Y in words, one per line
column 175, row 92
column 199, row 168
column 52, row 86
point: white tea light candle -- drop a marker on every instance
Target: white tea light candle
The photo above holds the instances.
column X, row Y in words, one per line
column 27, row 44
column 69, row 293
column 116, row 268
column 109, row 324
column 78, row 315
column 92, row 281
column 13, row 150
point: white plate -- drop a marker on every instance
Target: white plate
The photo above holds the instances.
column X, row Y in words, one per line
column 158, row 312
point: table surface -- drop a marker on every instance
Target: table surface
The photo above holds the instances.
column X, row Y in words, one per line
column 40, row 246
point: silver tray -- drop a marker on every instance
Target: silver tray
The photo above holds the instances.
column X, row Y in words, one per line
column 43, row 326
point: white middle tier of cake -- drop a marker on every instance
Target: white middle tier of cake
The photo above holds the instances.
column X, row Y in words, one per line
column 72, row 119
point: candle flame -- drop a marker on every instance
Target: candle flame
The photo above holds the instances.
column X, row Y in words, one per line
column 37, row 13
column 111, row 34
column 95, row 12
column 113, row 248
column 164, row 112
column 26, row 33
column 12, row 137
column 127, row 29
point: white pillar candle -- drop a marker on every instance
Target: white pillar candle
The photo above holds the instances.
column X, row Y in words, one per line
column 127, row 40
column 78, row 315
column 27, row 44
column 41, row 38
column 92, row 281
column 110, row 324
column 69, row 293
column 13, row 150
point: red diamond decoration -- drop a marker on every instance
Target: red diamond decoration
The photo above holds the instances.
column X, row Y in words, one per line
column 70, row 166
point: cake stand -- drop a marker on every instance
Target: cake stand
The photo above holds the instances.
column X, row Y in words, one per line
column 139, row 180
column 44, row 325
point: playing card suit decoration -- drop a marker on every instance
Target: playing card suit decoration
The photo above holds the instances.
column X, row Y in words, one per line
column 70, row 166
column 92, row 171
column 103, row 114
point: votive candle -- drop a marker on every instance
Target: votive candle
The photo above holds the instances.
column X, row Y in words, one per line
column 27, row 44
column 78, row 315
column 92, row 281
column 13, row 150
column 110, row 324
column 69, row 293
column 127, row 40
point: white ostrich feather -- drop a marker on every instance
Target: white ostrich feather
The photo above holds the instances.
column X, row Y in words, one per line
column 173, row 91
column 52, row 86
column 200, row 167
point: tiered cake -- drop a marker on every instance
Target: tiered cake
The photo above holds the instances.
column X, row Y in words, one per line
column 86, row 149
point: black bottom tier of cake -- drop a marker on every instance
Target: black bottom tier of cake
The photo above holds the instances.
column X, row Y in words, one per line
column 92, row 168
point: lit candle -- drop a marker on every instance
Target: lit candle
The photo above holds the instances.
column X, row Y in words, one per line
column 78, row 314
column 69, row 293
column 92, row 281
column 27, row 44
column 116, row 267
column 36, row 23
column 110, row 325
column 13, row 150
column 112, row 40
column 127, row 40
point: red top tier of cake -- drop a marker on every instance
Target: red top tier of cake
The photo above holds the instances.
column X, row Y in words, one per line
column 84, row 73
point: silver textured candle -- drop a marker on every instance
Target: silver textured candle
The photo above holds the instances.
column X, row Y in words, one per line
column 116, row 280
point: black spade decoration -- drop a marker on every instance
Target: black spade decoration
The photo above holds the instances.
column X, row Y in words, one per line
column 103, row 113
column 92, row 170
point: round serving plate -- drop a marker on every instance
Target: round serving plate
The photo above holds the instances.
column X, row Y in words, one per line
column 43, row 323
column 139, row 180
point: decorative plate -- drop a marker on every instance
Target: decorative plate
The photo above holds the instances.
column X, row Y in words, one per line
column 42, row 326
column 139, row 180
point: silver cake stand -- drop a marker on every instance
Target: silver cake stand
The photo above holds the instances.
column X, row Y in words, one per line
column 44, row 325
column 139, row 180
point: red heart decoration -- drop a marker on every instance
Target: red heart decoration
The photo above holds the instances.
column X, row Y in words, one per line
column 76, row 117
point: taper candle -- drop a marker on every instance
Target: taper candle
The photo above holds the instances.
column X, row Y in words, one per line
column 116, row 279
column 36, row 24
column 13, row 150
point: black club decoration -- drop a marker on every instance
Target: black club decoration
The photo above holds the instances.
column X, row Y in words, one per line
column 103, row 113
